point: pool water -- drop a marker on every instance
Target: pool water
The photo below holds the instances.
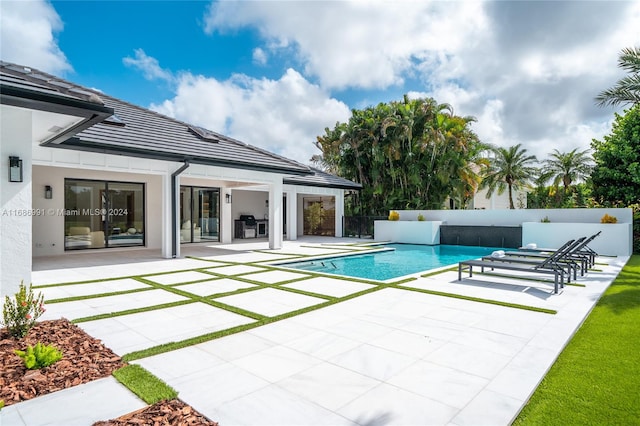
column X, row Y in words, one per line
column 406, row 259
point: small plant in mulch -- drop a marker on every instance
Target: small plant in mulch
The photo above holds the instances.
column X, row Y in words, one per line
column 20, row 314
column 39, row 356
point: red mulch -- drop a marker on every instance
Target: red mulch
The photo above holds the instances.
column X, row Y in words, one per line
column 84, row 359
column 174, row 412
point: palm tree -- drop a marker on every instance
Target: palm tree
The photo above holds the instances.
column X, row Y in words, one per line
column 626, row 90
column 511, row 168
column 567, row 167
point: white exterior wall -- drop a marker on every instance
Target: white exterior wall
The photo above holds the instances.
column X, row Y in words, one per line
column 498, row 202
column 613, row 241
column 15, row 201
column 250, row 202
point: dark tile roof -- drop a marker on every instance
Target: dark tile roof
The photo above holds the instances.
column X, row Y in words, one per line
column 37, row 92
column 324, row 179
column 136, row 131
column 144, row 133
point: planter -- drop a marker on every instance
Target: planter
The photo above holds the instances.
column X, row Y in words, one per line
column 615, row 240
column 407, row 232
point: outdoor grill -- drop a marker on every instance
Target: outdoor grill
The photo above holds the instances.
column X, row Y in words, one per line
column 246, row 226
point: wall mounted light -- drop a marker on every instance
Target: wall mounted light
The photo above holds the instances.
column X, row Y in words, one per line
column 15, row 169
column 48, row 192
column 227, row 198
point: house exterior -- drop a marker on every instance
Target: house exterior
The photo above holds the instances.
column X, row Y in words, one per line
column 100, row 173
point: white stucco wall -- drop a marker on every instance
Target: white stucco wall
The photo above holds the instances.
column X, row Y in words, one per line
column 15, row 201
column 615, row 239
column 498, row 201
column 407, row 232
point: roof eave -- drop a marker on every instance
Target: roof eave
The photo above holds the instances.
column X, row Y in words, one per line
column 92, row 112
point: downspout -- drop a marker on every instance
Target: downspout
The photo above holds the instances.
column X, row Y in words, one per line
column 174, row 209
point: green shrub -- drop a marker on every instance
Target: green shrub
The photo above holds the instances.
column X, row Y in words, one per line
column 545, row 219
column 20, row 315
column 39, row 356
column 421, row 218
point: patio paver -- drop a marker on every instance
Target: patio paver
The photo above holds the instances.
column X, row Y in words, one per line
column 391, row 356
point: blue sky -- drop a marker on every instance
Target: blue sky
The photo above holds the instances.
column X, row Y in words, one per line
column 276, row 73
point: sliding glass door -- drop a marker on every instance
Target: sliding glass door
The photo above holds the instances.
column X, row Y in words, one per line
column 199, row 214
column 101, row 214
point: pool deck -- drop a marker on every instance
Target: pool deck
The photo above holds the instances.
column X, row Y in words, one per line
column 380, row 354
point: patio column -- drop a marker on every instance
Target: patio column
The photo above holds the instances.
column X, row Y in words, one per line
column 275, row 214
column 292, row 215
column 339, row 203
column 165, row 211
column 226, row 216
column 16, row 201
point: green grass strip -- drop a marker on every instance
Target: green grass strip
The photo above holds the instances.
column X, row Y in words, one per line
column 596, row 378
column 171, row 346
column 144, row 384
column 132, row 311
column 98, row 295
column 205, row 300
column 430, row 274
column 481, row 300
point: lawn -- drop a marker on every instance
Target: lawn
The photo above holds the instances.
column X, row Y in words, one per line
column 596, row 379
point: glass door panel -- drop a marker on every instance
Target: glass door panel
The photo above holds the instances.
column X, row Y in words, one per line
column 207, row 214
column 186, row 227
column 84, row 222
column 125, row 213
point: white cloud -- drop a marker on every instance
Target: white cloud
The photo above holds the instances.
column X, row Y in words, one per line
column 354, row 43
column 259, row 56
column 149, row 66
column 283, row 116
column 27, row 31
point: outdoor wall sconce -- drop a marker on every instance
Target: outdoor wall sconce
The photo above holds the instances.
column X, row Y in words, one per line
column 15, row 169
column 227, row 198
column 48, row 192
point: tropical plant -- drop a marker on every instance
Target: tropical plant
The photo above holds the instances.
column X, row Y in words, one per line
column 509, row 169
column 39, row 356
column 411, row 154
column 615, row 178
column 608, row 219
column 421, row 218
column 627, row 89
column 394, row 216
column 20, row 314
column 567, row 168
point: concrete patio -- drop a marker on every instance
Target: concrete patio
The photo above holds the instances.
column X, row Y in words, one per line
column 394, row 355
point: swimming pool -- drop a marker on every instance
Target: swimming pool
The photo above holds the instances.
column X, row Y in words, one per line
column 406, row 259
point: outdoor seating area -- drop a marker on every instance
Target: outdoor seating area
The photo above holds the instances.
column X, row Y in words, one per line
column 563, row 262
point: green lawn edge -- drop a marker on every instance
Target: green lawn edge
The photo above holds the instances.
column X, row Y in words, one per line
column 145, row 385
column 596, row 378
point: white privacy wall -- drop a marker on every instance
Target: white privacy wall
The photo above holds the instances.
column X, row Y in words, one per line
column 564, row 224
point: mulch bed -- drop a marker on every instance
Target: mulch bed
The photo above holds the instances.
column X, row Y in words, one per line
column 174, row 412
column 84, row 359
